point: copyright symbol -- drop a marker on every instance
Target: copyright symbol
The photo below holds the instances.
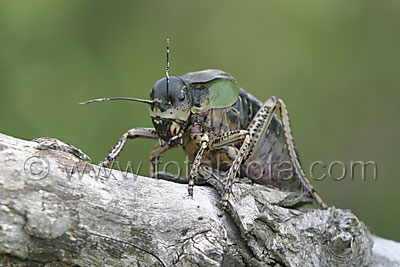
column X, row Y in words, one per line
column 37, row 167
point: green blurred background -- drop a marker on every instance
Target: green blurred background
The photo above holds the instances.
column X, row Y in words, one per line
column 335, row 63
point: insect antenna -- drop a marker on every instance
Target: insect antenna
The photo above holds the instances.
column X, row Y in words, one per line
column 118, row 98
column 167, row 68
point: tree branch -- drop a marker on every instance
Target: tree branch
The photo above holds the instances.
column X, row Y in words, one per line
column 57, row 209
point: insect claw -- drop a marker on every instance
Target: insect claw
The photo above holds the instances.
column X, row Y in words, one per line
column 190, row 191
column 104, row 164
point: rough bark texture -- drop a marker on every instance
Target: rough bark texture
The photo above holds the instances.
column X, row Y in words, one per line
column 57, row 210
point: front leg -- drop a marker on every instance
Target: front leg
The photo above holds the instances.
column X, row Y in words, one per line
column 160, row 149
column 154, row 156
column 146, row 133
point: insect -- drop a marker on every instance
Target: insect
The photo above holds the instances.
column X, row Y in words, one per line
column 219, row 124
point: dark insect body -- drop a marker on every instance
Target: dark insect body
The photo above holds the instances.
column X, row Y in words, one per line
column 220, row 125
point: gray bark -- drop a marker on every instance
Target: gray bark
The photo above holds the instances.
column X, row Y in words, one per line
column 58, row 210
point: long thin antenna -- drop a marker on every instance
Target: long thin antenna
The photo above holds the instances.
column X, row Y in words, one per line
column 167, row 67
column 118, row 98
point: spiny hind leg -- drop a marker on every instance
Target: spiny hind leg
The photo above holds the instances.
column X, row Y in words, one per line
column 147, row 133
column 251, row 138
column 293, row 154
column 258, row 129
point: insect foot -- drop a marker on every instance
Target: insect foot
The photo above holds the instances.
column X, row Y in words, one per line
column 55, row 144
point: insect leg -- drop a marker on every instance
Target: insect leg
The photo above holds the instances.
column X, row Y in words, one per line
column 154, row 155
column 244, row 150
column 228, row 138
column 293, row 155
column 258, row 128
column 147, row 133
column 196, row 163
